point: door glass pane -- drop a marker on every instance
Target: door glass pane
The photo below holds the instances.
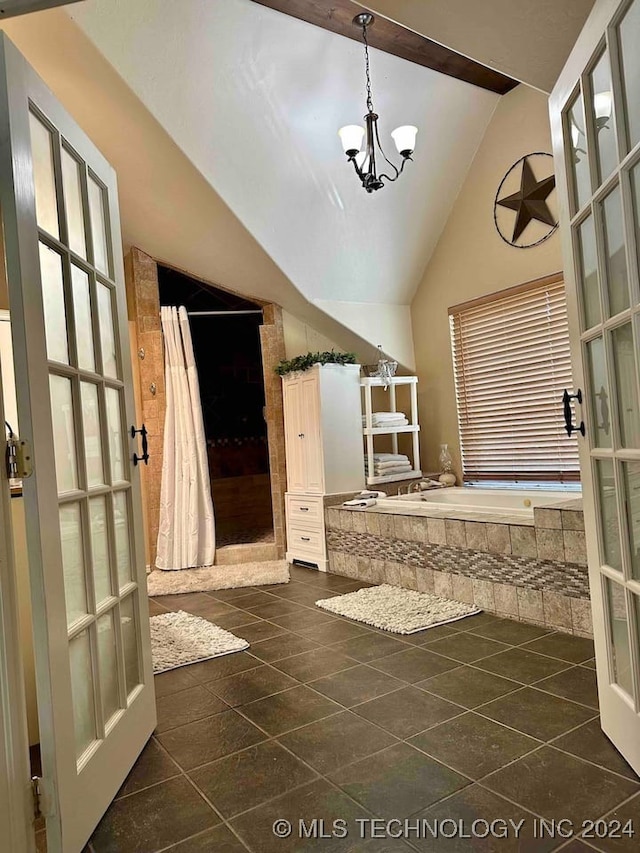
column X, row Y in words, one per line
column 72, row 185
column 108, row 666
column 602, row 113
column 632, row 499
column 121, row 526
column 92, row 437
column 98, row 226
column 627, row 386
column 44, row 176
column 63, row 433
column 100, row 548
column 629, row 40
column 599, row 394
column 589, row 274
column 606, row 494
column 75, row 588
column 107, row 336
column 84, row 716
column 114, row 426
column 578, row 154
column 130, row 643
column 619, row 638
column 55, row 317
column 82, row 312
column 615, row 259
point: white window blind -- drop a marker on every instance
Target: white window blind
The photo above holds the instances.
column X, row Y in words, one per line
column 512, row 364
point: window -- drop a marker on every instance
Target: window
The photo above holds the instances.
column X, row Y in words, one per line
column 511, row 364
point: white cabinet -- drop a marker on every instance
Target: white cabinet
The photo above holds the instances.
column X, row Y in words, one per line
column 323, row 439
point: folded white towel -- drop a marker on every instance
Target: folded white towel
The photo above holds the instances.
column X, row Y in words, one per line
column 390, row 424
column 390, row 457
column 388, row 472
column 381, row 466
column 400, row 420
column 383, row 416
column 360, row 504
column 371, row 494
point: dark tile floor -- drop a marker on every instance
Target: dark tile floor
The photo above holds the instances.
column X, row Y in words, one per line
column 483, row 719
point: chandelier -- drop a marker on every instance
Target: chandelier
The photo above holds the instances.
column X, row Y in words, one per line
column 364, row 161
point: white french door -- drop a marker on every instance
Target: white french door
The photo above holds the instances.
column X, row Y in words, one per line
column 595, row 116
column 75, row 407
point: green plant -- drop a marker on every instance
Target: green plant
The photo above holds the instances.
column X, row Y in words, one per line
column 304, row 362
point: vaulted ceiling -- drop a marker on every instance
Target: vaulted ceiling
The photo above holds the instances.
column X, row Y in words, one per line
column 254, row 98
column 528, row 40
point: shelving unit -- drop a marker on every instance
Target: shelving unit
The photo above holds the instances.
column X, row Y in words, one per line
column 367, row 383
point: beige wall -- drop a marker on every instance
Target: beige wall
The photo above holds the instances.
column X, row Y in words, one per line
column 301, row 338
column 471, row 260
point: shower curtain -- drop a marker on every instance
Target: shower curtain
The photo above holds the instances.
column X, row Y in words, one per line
column 186, row 537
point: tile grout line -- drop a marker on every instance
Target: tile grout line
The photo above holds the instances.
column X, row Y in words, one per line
column 371, row 664
column 208, row 802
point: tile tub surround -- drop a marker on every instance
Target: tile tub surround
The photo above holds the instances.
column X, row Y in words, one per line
column 531, row 570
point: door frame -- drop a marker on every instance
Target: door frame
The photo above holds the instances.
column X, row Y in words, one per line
column 74, row 798
column 16, row 802
column 605, row 14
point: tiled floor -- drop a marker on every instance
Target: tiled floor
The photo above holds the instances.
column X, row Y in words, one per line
column 483, row 719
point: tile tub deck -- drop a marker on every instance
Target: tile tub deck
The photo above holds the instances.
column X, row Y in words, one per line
column 533, row 570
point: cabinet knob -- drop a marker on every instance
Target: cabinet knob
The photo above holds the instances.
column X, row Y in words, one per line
column 300, row 435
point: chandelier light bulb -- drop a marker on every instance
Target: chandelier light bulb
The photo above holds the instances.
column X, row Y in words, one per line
column 351, row 136
column 405, row 139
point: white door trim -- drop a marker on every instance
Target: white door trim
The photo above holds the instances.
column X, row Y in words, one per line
column 16, row 805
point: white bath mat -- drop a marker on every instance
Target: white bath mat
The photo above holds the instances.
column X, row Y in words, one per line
column 180, row 638
column 161, row 582
column 393, row 608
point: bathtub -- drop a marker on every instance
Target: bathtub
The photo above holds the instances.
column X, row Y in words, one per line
column 507, row 502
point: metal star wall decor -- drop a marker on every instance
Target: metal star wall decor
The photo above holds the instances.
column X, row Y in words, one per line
column 530, row 202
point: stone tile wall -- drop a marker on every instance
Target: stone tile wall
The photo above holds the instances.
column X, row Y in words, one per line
column 143, row 304
column 272, row 340
column 535, row 574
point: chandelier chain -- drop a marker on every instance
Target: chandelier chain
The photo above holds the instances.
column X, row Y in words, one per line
column 367, row 69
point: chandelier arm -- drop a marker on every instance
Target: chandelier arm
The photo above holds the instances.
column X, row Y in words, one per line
column 393, row 166
column 359, row 172
column 399, row 171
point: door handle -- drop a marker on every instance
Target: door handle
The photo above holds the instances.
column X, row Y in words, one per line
column 568, row 414
column 145, row 445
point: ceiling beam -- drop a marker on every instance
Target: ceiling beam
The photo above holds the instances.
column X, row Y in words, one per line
column 528, row 40
column 10, row 8
column 337, row 16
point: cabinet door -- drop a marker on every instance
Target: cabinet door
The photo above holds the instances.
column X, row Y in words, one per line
column 312, row 441
column 293, row 432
